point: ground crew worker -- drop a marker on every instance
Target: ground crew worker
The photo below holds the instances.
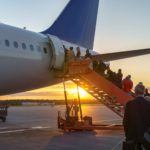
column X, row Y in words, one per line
column 76, row 108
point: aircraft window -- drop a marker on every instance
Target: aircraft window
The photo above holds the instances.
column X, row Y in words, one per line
column 39, row 49
column 15, row 44
column 24, row 46
column 45, row 50
column 31, row 47
column 7, row 43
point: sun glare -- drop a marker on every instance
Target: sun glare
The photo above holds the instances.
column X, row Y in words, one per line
column 74, row 93
column 82, row 92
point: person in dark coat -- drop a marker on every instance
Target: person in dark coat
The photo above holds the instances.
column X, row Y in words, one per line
column 95, row 65
column 119, row 78
column 88, row 54
column 108, row 73
column 102, row 67
column 136, row 119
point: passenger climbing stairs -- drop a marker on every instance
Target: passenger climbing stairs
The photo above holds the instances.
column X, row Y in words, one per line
column 98, row 86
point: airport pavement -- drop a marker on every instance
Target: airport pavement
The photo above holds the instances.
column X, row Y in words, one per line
column 35, row 128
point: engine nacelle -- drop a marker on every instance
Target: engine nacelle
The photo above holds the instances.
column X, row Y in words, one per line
column 58, row 52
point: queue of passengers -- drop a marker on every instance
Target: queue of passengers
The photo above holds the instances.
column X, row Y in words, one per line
column 104, row 70
column 70, row 56
column 117, row 78
column 100, row 67
column 136, row 119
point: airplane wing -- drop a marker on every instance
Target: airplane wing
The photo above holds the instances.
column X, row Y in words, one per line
column 121, row 55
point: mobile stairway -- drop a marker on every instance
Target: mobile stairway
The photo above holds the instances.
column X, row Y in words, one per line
column 99, row 87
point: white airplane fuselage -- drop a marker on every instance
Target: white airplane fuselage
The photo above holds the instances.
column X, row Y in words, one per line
column 29, row 60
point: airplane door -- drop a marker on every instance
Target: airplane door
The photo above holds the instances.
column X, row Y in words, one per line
column 58, row 51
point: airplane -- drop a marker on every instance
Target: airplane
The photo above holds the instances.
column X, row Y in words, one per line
column 30, row 60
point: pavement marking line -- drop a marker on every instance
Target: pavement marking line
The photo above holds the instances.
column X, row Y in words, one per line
column 12, row 131
column 40, row 127
column 111, row 125
column 27, row 129
column 118, row 144
column 108, row 120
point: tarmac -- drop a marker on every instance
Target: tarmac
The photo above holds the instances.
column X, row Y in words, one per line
column 35, row 128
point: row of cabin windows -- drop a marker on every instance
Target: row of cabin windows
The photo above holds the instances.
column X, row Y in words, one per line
column 24, row 46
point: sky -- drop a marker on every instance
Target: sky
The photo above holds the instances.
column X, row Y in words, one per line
column 121, row 25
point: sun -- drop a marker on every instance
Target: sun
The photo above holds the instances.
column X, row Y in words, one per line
column 82, row 92
column 74, row 93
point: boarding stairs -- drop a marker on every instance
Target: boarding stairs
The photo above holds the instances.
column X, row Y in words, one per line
column 98, row 86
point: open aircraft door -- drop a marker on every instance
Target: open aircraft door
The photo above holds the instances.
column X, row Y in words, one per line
column 58, row 52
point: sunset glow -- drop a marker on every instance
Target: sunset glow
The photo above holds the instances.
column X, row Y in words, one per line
column 120, row 27
column 82, row 92
column 55, row 92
